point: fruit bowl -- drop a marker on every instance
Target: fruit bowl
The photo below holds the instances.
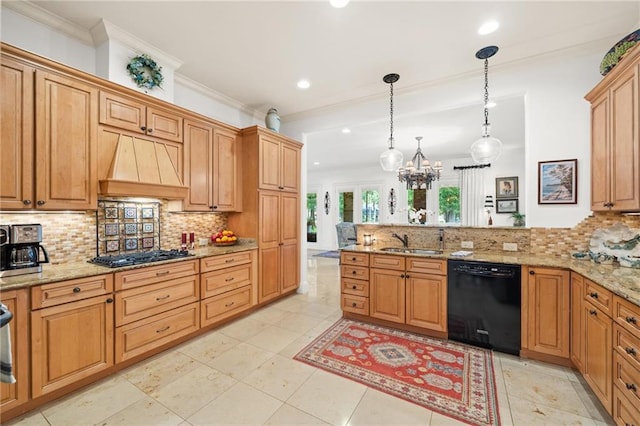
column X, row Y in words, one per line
column 225, row 243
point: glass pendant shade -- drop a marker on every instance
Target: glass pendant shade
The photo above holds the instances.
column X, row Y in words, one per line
column 391, row 159
column 486, row 149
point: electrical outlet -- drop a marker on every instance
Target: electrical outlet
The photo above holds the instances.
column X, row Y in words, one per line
column 509, row 246
column 466, row 244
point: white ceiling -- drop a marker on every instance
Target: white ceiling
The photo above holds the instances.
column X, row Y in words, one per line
column 256, row 51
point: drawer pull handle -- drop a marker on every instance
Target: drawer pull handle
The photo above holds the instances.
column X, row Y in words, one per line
column 630, row 351
column 354, row 304
column 354, row 287
column 76, row 289
column 109, row 300
column 163, row 297
column 354, row 272
column 353, row 258
column 229, row 279
column 159, row 274
column 631, row 320
column 594, row 295
column 229, row 260
column 228, row 305
column 593, row 312
column 163, row 329
column 630, row 386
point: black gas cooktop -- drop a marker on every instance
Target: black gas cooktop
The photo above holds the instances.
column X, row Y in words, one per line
column 137, row 258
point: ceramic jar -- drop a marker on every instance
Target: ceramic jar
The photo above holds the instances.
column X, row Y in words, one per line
column 272, row 120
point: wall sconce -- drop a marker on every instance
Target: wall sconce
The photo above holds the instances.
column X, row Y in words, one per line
column 368, row 239
column 488, row 205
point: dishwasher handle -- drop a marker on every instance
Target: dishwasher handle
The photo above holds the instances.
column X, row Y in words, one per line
column 483, row 272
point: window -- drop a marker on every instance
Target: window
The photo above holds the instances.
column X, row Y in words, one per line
column 370, row 206
column 312, row 217
column 449, row 200
column 345, row 206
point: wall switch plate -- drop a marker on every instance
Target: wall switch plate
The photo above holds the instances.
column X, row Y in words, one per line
column 466, row 244
column 509, row 246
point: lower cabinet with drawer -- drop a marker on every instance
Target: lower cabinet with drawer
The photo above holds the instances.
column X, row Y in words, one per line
column 228, row 286
column 72, row 332
column 354, row 282
column 626, row 362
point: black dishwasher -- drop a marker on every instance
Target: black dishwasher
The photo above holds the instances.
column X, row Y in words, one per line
column 483, row 304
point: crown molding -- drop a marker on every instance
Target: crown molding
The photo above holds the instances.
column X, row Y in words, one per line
column 43, row 16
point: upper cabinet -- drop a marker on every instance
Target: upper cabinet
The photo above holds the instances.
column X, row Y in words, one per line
column 615, row 141
column 279, row 167
column 131, row 114
column 49, row 134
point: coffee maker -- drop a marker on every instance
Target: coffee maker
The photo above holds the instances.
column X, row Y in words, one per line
column 20, row 250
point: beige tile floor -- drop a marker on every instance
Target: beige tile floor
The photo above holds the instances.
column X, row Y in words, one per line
column 243, row 373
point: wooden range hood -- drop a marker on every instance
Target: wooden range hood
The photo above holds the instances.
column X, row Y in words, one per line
column 141, row 168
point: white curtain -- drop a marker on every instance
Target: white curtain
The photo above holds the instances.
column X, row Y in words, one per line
column 472, row 197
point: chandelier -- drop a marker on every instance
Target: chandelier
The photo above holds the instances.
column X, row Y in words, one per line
column 391, row 158
column 487, row 148
column 419, row 173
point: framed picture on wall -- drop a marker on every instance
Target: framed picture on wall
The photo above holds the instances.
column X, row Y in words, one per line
column 506, row 206
column 507, row 187
column 558, row 182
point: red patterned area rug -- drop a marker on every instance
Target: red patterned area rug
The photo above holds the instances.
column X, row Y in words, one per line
column 451, row 378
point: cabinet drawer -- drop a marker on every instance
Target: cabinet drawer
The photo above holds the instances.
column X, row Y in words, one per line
column 627, row 315
column 624, row 412
column 387, row 262
column 354, row 272
column 70, row 291
column 627, row 345
column 355, row 287
column 215, row 263
column 141, row 302
column 155, row 274
column 598, row 296
column 218, row 282
column 353, row 258
column 355, row 304
column 142, row 336
column 426, row 266
column 627, row 379
column 225, row 305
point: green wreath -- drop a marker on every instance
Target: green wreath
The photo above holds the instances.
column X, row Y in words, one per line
column 145, row 72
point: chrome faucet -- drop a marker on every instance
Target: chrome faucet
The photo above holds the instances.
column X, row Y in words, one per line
column 404, row 239
column 441, row 238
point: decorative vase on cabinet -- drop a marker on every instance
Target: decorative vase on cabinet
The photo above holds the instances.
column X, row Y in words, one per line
column 272, row 120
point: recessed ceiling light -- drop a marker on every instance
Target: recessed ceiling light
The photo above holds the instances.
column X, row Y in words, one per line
column 339, row 3
column 316, row 163
column 491, row 104
column 488, row 27
column 346, row 130
column 303, row 84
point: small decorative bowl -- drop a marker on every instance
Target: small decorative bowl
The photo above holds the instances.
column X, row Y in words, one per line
column 225, row 243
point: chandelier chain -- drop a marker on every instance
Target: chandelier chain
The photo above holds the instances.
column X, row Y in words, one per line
column 486, row 92
column 391, row 113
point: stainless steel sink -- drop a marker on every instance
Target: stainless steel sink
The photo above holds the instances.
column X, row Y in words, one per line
column 410, row 251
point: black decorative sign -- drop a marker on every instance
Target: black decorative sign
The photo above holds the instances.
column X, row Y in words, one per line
column 392, row 202
column 327, row 203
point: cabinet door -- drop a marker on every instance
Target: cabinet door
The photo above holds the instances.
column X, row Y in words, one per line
column 625, row 145
column 387, row 295
column 289, row 218
column 70, row 342
column 164, row 124
column 66, row 142
column 290, row 269
column 198, row 167
column 269, row 275
column 269, row 218
column 577, row 327
column 597, row 355
column 15, row 394
column 548, row 311
column 122, row 112
column 16, row 128
column 427, row 301
column 600, row 166
column 226, row 192
column 290, row 169
column 270, row 163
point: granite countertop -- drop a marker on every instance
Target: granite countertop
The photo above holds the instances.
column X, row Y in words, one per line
column 69, row 271
column 625, row 282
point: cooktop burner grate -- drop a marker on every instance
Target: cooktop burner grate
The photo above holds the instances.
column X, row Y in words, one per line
column 138, row 258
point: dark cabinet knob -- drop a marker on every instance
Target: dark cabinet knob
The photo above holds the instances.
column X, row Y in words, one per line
column 532, row 272
column 354, row 287
column 149, row 130
column 40, row 202
column 353, row 258
column 109, row 300
column 281, row 187
column 630, row 386
column 631, row 320
column 353, row 304
column 76, row 290
column 594, row 295
column 630, row 351
column 354, row 272
column 26, row 202
column 593, row 312
column 143, row 128
column 214, row 207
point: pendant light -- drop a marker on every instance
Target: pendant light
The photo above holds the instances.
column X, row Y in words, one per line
column 486, row 149
column 391, row 159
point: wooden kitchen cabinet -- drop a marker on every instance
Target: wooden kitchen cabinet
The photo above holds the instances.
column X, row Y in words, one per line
column 354, row 282
column 545, row 312
column 387, row 295
column 426, row 303
column 615, row 138
column 597, row 365
column 626, row 367
column 279, row 167
column 211, row 168
column 16, row 394
column 134, row 115
column 577, row 321
column 70, row 341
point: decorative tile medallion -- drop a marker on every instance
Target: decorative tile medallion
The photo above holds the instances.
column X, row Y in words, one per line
column 111, row 212
column 147, row 212
column 130, row 212
column 147, row 242
column 110, row 229
column 130, row 228
column 131, row 244
column 112, row 245
column 147, row 227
